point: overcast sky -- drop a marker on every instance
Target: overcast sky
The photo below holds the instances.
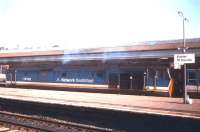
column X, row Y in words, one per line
column 94, row 23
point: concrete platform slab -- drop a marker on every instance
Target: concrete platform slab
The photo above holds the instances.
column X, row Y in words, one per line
column 129, row 103
column 3, row 129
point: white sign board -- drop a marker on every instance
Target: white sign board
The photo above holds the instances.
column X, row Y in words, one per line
column 177, row 66
column 184, row 58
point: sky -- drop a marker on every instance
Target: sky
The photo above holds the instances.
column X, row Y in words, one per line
column 75, row 24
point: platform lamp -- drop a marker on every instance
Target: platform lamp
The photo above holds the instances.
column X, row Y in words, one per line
column 184, row 51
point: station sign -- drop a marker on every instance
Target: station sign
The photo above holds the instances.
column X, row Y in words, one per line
column 177, row 66
column 181, row 59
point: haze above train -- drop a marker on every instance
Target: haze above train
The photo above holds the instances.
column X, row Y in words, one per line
column 142, row 66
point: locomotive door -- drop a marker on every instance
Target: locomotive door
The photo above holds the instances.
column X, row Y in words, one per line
column 132, row 80
column 125, row 82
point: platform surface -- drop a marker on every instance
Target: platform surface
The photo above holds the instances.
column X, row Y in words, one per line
column 130, row 103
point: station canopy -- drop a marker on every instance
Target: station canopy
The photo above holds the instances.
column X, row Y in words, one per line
column 143, row 50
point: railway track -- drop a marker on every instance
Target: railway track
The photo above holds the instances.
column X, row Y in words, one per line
column 11, row 127
column 30, row 123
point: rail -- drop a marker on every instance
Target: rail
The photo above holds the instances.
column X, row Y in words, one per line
column 42, row 124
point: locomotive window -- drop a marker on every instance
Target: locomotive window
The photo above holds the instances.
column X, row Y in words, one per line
column 192, row 75
column 192, row 78
column 100, row 75
column 26, row 74
column 64, row 74
column 44, row 73
column 151, row 73
column 164, row 74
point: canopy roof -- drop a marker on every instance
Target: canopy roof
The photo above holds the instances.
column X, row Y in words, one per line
column 142, row 50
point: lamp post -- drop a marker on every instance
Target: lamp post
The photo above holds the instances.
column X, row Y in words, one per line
column 184, row 51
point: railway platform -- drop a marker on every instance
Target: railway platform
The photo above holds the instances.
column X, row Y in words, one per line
column 163, row 106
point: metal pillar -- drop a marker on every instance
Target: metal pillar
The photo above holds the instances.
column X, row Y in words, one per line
column 185, row 88
column 119, row 81
column 15, row 76
column 184, row 51
column 155, row 79
column 144, row 84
